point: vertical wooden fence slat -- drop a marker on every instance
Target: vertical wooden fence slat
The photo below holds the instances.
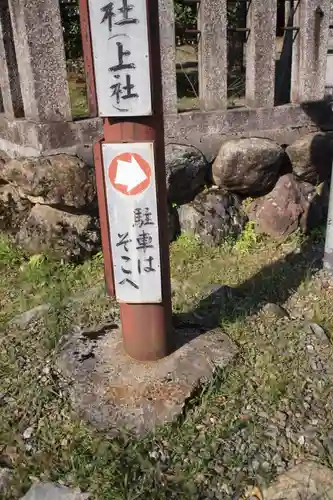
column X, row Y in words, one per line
column 168, row 55
column 39, row 47
column 9, row 77
column 261, row 53
column 213, row 63
column 310, row 50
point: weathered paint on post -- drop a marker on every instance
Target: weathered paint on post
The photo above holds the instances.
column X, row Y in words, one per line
column 121, row 57
column 103, row 218
column 129, row 172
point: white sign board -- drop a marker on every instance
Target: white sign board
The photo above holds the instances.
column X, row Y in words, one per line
column 129, row 171
column 121, row 57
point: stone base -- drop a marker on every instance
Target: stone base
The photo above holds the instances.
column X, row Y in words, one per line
column 114, row 392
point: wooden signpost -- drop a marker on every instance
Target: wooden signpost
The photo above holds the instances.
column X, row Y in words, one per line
column 122, row 60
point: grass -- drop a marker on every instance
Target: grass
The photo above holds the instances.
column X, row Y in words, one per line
column 78, row 98
column 186, row 459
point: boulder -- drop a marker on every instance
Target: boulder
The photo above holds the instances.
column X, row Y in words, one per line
column 250, row 167
column 213, row 215
column 5, row 477
column 51, row 491
column 59, row 180
column 311, row 157
column 308, row 480
column 4, row 158
column 187, row 171
column 59, row 234
column 290, row 205
column 13, row 209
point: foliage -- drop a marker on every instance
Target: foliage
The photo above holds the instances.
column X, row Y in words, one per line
column 236, row 14
column 185, row 18
column 185, row 15
column 70, row 17
column 248, row 240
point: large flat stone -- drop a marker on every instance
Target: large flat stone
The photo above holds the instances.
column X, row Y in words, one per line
column 50, row 491
column 308, row 481
column 114, row 392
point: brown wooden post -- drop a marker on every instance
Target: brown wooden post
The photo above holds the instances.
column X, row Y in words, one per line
column 147, row 325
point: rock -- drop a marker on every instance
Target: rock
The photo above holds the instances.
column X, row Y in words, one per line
column 4, row 479
column 308, row 480
column 50, row 491
column 187, row 171
column 311, row 157
column 249, row 167
column 213, row 216
column 290, row 205
column 4, row 158
column 173, row 223
column 275, row 310
column 59, row 180
column 59, row 234
column 25, row 318
column 13, row 210
column 319, row 332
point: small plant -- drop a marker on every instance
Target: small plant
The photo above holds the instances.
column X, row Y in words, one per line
column 9, row 254
column 98, row 257
column 247, row 204
column 249, row 238
column 189, row 243
column 36, row 260
column 318, row 234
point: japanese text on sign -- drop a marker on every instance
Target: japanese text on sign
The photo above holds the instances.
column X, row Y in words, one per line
column 121, row 57
column 132, row 209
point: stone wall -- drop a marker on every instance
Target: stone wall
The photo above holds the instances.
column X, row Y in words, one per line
column 48, row 204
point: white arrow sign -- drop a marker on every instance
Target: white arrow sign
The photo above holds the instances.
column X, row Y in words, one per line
column 137, row 270
column 130, row 174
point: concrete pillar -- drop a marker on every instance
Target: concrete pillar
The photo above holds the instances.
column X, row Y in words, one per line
column 9, row 78
column 213, row 63
column 261, row 53
column 41, row 61
column 168, row 55
column 310, row 50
